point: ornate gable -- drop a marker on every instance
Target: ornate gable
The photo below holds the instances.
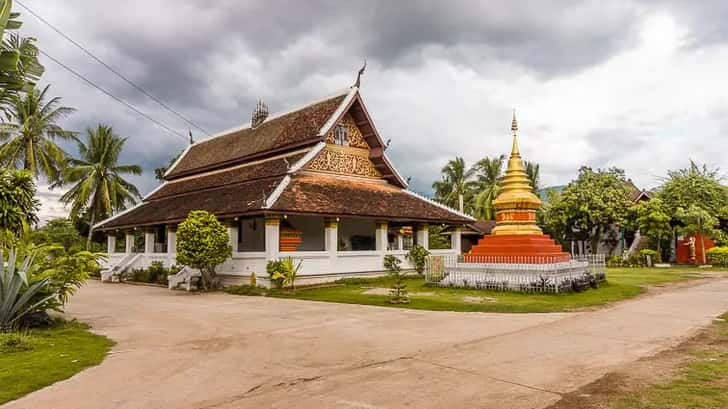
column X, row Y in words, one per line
column 346, row 152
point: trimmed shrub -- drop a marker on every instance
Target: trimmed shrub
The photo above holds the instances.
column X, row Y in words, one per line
column 718, row 256
column 418, row 257
column 202, row 243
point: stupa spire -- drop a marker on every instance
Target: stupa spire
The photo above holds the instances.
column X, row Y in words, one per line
column 516, row 203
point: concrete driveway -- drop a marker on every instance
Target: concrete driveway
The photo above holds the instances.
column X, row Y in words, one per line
column 178, row 350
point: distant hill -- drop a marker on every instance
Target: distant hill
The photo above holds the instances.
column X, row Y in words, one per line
column 543, row 194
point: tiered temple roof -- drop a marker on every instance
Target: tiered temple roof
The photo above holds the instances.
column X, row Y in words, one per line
column 289, row 163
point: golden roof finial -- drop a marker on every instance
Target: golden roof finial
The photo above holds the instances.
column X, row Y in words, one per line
column 514, row 124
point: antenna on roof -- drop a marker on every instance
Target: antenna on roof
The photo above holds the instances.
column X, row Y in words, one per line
column 409, row 179
column 386, row 145
column 191, row 140
column 357, row 84
column 260, row 113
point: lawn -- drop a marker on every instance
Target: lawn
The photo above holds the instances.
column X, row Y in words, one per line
column 622, row 283
column 56, row 354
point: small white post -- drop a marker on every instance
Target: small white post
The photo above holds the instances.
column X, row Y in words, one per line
column 455, row 240
column 272, row 237
column 423, row 236
column 331, row 237
column 171, row 239
column 148, row 241
column 110, row 243
column 232, row 229
column 400, row 242
column 380, row 238
column 129, row 242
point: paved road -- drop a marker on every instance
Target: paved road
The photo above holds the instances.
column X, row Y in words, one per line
column 178, row 350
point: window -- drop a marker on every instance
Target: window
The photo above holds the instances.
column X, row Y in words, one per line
column 341, row 135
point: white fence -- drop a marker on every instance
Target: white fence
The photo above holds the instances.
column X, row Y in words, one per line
column 527, row 274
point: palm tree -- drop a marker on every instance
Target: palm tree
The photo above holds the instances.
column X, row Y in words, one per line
column 19, row 66
column 487, row 174
column 28, row 137
column 532, row 168
column 454, row 186
column 99, row 189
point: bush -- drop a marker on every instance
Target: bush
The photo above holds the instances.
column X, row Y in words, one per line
column 655, row 256
column 202, row 243
column 274, row 269
column 19, row 296
column 418, row 256
column 283, row 272
column 615, row 261
column 718, row 256
column 156, row 273
column 15, row 342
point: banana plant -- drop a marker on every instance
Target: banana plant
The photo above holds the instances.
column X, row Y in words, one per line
column 15, row 292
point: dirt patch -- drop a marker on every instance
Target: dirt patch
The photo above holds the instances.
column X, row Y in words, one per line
column 636, row 377
column 386, row 291
column 478, row 300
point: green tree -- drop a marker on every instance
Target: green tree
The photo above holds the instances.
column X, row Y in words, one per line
column 98, row 186
column 454, row 184
column 202, row 243
column 61, row 232
column 28, row 137
column 19, row 66
column 652, row 220
column 436, row 239
column 487, row 173
column 589, row 205
column 533, row 170
column 18, row 204
column 695, row 185
column 698, row 221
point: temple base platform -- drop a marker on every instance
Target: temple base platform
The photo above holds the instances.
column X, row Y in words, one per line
column 517, row 248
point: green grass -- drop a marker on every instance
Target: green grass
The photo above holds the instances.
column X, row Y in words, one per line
column 622, row 283
column 701, row 383
column 57, row 353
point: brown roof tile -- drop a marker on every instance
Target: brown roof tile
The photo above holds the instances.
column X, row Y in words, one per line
column 296, row 128
column 229, row 200
column 269, row 168
column 337, row 196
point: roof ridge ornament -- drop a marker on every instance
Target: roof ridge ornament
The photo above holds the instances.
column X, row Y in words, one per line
column 357, row 84
column 514, row 123
column 260, row 113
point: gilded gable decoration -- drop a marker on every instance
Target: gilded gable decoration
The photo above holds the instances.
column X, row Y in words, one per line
column 346, row 130
column 345, row 161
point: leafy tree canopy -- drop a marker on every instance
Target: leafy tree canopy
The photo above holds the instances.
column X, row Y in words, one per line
column 202, row 243
column 590, row 204
column 18, row 205
column 695, row 185
column 61, row 232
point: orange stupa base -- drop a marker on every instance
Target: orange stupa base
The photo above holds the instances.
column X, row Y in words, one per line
column 517, row 248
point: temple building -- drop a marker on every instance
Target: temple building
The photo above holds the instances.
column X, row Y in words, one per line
column 313, row 183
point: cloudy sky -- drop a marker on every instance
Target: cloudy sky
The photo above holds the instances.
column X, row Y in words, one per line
column 635, row 84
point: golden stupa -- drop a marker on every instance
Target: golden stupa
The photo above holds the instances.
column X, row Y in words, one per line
column 516, row 238
column 516, row 203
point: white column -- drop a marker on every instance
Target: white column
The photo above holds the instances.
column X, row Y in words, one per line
column 380, row 237
column 129, row 244
column 331, row 237
column 171, row 239
column 272, row 237
column 400, row 242
column 455, row 240
column 148, row 241
column 423, row 237
column 110, row 243
column 232, row 229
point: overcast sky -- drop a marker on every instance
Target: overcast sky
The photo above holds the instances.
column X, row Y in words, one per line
column 640, row 85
